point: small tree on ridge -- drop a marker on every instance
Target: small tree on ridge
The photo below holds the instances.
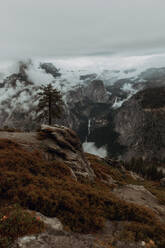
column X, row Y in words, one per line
column 50, row 103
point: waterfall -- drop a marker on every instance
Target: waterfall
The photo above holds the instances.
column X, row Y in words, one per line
column 89, row 127
column 89, row 131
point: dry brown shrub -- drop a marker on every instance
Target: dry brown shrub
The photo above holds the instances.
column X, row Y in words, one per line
column 48, row 187
column 102, row 169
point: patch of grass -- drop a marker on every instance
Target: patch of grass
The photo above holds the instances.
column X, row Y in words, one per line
column 155, row 189
column 104, row 244
column 138, row 231
column 16, row 222
column 102, row 169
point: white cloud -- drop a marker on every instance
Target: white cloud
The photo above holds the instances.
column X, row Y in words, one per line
column 38, row 76
column 91, row 148
column 53, row 27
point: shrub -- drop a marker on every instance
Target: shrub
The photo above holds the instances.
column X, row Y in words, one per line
column 147, row 169
column 16, row 222
column 48, row 187
column 138, row 231
column 102, row 169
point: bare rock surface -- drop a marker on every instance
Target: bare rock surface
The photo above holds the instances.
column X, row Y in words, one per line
column 54, row 236
column 110, row 235
column 135, row 176
column 51, row 223
column 140, row 195
column 55, row 240
column 140, row 124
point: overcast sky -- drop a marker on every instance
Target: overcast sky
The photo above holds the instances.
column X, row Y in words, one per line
column 75, row 27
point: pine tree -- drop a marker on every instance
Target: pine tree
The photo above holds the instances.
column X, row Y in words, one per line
column 50, row 103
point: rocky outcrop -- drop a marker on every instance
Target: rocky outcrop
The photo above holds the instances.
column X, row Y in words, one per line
column 63, row 143
column 56, row 143
column 54, row 236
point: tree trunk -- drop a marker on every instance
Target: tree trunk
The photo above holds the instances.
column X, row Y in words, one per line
column 50, row 110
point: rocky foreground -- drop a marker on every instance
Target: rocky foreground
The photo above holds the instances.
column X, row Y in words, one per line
column 71, row 199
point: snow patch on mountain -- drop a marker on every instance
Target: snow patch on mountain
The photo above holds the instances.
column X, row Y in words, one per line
column 118, row 103
column 107, row 68
column 18, row 94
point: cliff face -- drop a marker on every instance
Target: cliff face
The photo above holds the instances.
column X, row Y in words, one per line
column 140, row 123
column 88, row 103
column 100, row 111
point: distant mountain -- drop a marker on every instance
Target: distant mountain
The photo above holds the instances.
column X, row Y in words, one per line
column 100, row 95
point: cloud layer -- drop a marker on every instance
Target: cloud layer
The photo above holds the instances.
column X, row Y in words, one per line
column 53, row 28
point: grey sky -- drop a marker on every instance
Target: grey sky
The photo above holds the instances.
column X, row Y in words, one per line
column 73, row 27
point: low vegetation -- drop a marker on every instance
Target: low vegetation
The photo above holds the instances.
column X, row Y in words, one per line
column 48, row 187
column 147, row 169
column 16, row 222
column 136, row 231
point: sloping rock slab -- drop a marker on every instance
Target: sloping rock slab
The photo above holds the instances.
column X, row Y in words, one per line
column 54, row 240
column 140, row 195
column 63, row 143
